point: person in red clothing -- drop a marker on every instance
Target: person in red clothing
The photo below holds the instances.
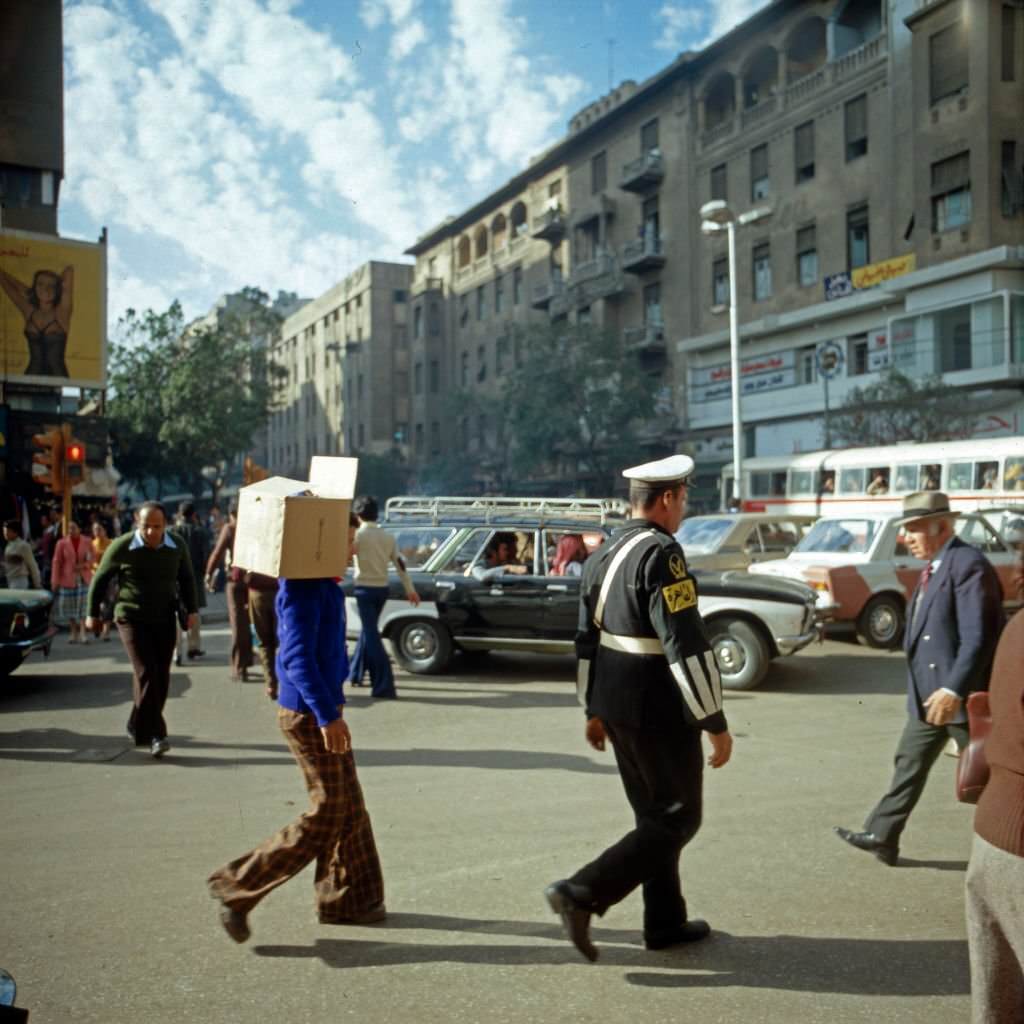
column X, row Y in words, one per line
column 73, row 563
column 995, row 875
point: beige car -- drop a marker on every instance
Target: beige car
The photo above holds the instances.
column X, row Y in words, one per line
column 734, row 540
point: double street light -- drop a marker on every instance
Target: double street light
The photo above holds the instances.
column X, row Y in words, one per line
column 716, row 217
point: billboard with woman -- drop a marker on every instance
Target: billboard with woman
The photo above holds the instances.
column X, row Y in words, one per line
column 53, row 313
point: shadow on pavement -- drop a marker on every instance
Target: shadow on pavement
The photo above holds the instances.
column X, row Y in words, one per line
column 786, row 962
column 502, row 760
column 47, row 691
column 850, row 674
column 935, row 865
column 490, row 699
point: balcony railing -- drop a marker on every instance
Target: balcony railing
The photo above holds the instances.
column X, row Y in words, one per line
column 602, row 263
column 756, row 114
column 643, row 254
column 549, row 226
column 722, row 130
column 643, row 173
column 606, row 285
column 545, row 291
column 428, row 284
column 648, row 338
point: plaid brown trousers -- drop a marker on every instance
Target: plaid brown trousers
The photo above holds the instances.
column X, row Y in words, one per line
column 336, row 831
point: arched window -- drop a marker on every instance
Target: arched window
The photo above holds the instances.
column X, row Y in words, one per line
column 518, row 215
column 806, row 49
column 499, row 232
column 857, row 23
column 760, row 77
column 719, row 100
column 463, row 252
column 480, row 242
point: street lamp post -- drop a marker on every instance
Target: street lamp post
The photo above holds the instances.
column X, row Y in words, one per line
column 717, row 216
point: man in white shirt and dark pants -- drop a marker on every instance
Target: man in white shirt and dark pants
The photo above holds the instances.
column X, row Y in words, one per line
column 374, row 551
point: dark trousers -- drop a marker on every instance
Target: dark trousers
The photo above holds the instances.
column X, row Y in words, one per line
column 370, row 653
column 916, row 752
column 237, row 594
column 150, row 648
column 264, row 621
column 335, row 832
column 662, row 774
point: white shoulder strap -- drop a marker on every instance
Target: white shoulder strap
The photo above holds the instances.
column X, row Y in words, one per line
column 617, row 560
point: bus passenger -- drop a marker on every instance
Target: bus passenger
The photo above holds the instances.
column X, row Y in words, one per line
column 930, row 481
column 879, row 483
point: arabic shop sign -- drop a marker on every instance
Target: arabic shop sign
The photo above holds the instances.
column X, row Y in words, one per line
column 838, row 286
column 757, row 374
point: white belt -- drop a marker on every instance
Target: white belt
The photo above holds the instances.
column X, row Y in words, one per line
column 632, row 644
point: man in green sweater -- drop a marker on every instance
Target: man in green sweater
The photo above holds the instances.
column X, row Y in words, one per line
column 154, row 571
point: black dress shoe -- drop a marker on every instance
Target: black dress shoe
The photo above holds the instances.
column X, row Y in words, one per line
column 688, row 931
column 575, row 918
column 235, row 924
column 887, row 853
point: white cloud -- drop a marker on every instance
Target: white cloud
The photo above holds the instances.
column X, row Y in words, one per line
column 727, row 15
column 408, row 32
column 678, row 24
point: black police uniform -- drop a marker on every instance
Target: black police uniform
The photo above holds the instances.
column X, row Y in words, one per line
column 647, row 671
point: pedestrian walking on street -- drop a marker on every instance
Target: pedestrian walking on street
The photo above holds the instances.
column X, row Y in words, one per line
column 197, row 543
column 100, row 542
column 649, row 683
column 237, row 594
column 73, row 564
column 262, row 595
column 336, row 831
column 20, row 568
column 375, row 550
column 153, row 572
column 953, row 621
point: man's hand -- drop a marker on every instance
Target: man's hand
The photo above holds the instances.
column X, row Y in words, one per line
column 940, row 707
column 413, row 598
column 91, row 624
column 721, row 748
column 337, row 738
column 595, row 733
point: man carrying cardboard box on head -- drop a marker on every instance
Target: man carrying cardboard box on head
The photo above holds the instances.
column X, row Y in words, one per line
column 299, row 531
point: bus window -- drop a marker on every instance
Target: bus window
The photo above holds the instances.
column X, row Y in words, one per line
column 1013, row 474
column 907, row 477
column 828, row 481
column 961, row 476
column 931, row 475
column 879, row 477
column 778, row 484
column 851, row 481
column 803, row 481
column 760, row 485
column 986, row 476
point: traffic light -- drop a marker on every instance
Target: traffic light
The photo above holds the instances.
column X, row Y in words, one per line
column 48, row 464
column 74, row 461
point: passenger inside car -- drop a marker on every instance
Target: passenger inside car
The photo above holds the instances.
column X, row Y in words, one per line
column 570, row 554
column 499, row 559
column 879, row 482
column 930, row 477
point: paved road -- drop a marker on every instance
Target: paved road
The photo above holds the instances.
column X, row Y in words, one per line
column 481, row 791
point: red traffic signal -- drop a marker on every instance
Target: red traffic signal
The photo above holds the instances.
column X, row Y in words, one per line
column 74, row 460
column 75, row 452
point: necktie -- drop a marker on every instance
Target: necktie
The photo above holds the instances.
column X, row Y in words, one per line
column 922, row 586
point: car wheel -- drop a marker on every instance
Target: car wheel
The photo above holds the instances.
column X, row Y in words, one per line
column 422, row 646
column 9, row 661
column 741, row 652
column 881, row 622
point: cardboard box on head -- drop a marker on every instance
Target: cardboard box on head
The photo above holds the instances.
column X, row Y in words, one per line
column 297, row 529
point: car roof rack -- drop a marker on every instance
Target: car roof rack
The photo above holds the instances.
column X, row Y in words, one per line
column 497, row 510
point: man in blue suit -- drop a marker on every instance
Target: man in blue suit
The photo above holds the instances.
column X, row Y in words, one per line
column 953, row 622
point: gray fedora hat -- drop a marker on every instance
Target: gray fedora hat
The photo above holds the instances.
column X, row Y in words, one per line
column 926, row 505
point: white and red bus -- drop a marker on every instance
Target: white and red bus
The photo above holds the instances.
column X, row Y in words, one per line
column 974, row 474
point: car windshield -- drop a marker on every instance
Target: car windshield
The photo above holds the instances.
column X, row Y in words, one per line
column 843, row 535
column 701, row 535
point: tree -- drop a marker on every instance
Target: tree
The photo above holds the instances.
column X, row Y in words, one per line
column 897, row 408
column 575, row 406
column 382, row 476
column 206, row 390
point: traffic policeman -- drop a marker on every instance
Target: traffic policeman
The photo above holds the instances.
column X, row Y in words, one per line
column 649, row 683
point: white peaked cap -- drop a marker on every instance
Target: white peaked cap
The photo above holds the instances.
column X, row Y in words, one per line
column 664, row 471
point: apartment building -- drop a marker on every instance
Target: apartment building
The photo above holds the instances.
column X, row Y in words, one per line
column 346, row 390
column 881, row 140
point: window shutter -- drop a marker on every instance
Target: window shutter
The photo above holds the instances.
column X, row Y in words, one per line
column 947, row 61
column 952, row 174
column 759, row 163
column 857, row 119
column 805, row 144
column 806, row 239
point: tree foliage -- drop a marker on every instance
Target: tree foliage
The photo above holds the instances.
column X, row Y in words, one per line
column 187, row 399
column 897, row 408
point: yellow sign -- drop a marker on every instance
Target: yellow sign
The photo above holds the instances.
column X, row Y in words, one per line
column 53, row 310
column 878, row 273
column 677, row 566
column 680, row 595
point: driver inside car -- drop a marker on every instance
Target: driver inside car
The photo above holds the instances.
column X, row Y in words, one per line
column 500, row 559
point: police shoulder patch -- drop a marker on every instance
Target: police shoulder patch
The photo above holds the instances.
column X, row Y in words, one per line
column 679, row 596
column 677, row 566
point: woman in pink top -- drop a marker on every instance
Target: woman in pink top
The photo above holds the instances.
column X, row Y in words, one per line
column 73, row 563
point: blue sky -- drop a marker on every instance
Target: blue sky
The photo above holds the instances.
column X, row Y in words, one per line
column 281, row 143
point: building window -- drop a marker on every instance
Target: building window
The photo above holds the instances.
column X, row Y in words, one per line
column 463, row 309
column 803, row 146
column 362, row 436
column 858, row 247
column 720, row 282
column 481, row 363
column 398, row 295
column 856, row 127
column 435, row 438
column 359, row 386
column 807, row 364
column 583, row 315
column 1013, row 180
column 499, row 296
column 762, row 271
column 481, row 303
column 947, row 62
column 501, row 356
column 649, row 136
column 760, row 184
column 435, row 376
column 464, row 369
column 719, row 182
column 401, row 336
column 417, row 322
column 951, row 192
column 417, row 379
column 598, row 172
column 650, row 228
column 419, row 438
column 857, row 355
column 517, row 285
column 807, row 255
column 652, row 305
column 1009, row 43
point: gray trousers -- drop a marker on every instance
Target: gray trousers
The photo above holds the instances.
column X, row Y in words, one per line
column 995, row 934
column 916, row 752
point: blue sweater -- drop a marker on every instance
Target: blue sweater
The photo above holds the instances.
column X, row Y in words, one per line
column 312, row 660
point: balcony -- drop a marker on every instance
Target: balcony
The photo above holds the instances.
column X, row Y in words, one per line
column 644, row 173
column 756, row 114
column 550, row 226
column 650, row 338
column 721, row 131
column 643, row 255
column 428, row 284
column 605, row 286
column 600, row 263
column 842, row 68
column 544, row 292
column 593, row 208
column 560, row 303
